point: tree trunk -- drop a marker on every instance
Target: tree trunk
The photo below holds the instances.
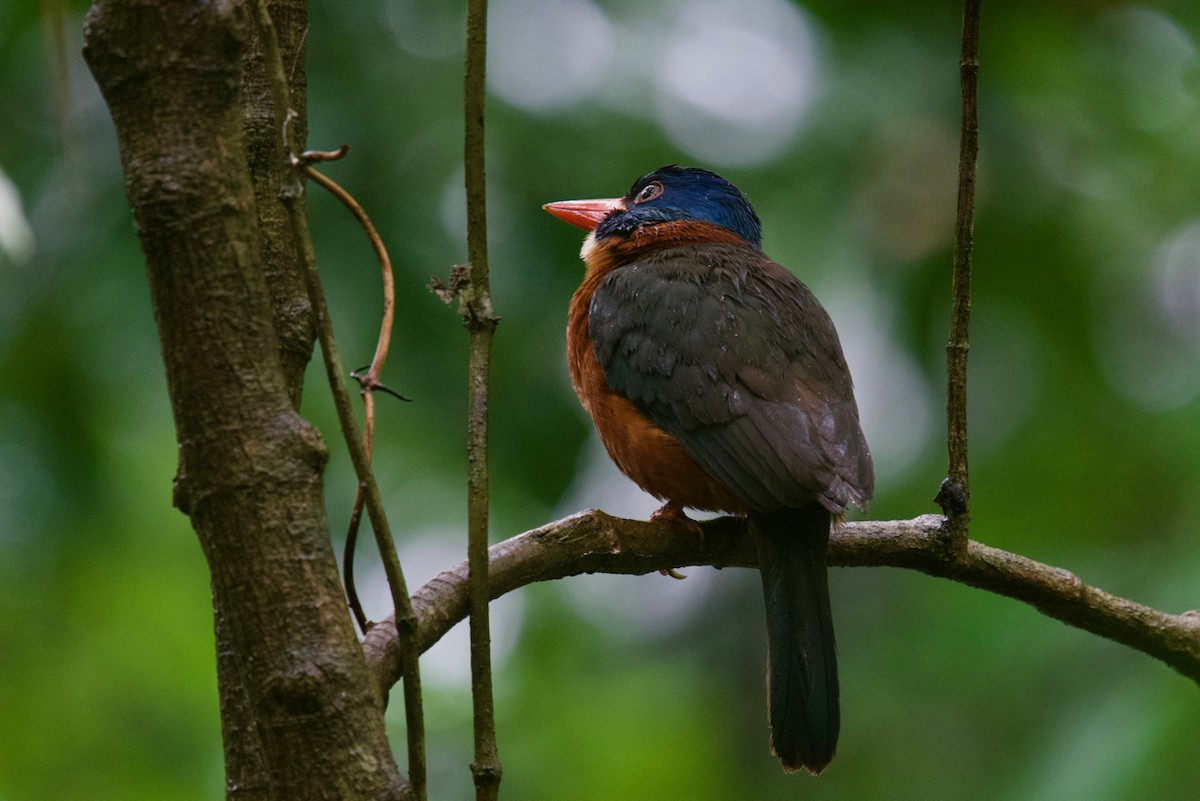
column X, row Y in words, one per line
column 298, row 717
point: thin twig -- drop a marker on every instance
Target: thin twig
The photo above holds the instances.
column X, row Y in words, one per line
column 368, row 381
column 955, row 494
column 475, row 304
column 290, row 193
column 351, row 545
column 594, row 542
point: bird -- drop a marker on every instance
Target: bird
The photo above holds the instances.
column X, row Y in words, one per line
column 716, row 381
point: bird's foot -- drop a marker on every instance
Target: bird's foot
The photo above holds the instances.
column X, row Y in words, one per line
column 672, row 512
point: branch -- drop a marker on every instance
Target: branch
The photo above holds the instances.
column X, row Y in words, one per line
column 594, row 542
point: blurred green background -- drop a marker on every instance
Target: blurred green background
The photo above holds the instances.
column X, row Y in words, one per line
column 840, row 120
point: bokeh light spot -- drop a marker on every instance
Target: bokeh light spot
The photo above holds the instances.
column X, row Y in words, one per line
column 1149, row 56
column 426, row 30
column 16, row 237
column 545, row 54
column 736, row 81
column 894, row 400
column 1147, row 334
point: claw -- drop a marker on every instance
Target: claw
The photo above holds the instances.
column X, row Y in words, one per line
column 672, row 512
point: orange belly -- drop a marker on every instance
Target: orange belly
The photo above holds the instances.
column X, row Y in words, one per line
column 641, row 450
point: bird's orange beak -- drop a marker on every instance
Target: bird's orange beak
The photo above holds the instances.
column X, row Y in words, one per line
column 585, row 214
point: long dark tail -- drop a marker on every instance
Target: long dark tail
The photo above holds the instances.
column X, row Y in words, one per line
column 802, row 683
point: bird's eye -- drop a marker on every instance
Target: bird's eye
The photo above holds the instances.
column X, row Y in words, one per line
column 649, row 192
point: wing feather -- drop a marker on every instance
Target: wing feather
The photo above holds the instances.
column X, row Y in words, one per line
column 734, row 357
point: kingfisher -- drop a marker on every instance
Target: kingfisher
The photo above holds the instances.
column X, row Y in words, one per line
column 716, row 382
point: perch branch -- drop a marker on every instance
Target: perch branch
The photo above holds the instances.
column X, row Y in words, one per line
column 594, row 542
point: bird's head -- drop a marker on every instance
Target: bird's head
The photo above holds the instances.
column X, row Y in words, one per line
column 664, row 200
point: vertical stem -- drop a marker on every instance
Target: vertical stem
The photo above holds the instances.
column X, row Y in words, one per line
column 956, row 492
column 476, row 307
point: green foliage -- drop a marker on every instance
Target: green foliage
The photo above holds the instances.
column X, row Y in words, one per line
column 1085, row 375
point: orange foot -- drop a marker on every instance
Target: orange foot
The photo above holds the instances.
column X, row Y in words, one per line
column 672, row 512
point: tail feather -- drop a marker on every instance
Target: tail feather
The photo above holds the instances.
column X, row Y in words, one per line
column 802, row 683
